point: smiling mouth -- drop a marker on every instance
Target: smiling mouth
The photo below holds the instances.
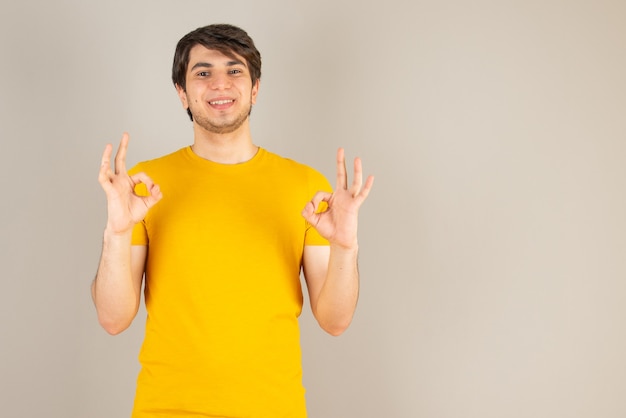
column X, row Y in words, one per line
column 221, row 102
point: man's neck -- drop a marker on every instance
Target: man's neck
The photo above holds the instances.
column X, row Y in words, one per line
column 231, row 148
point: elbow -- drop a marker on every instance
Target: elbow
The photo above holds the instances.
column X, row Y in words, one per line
column 113, row 327
column 333, row 321
column 335, row 331
column 335, row 328
column 114, row 320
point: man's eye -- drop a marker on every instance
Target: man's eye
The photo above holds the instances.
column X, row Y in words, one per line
column 203, row 73
column 235, row 71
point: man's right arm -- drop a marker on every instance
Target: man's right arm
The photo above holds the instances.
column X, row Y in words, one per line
column 116, row 290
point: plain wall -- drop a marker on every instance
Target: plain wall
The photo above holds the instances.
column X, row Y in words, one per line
column 492, row 245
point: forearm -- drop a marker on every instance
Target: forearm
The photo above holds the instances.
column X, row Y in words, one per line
column 114, row 291
column 338, row 297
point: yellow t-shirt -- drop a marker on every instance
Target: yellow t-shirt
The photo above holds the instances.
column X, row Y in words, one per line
column 222, row 287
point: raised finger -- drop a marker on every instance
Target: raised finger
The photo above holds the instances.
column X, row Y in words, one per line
column 120, row 156
column 105, row 165
column 365, row 191
column 357, row 182
column 342, row 176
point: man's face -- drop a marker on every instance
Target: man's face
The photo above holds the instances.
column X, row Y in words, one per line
column 219, row 91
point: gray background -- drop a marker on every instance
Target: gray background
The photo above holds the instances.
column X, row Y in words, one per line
column 492, row 246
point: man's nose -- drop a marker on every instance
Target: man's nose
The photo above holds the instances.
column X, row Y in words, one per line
column 220, row 81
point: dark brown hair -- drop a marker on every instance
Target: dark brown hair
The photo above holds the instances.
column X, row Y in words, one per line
column 227, row 39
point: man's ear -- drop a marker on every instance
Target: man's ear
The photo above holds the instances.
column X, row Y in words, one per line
column 182, row 95
column 255, row 90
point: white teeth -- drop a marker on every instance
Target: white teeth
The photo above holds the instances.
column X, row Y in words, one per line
column 220, row 102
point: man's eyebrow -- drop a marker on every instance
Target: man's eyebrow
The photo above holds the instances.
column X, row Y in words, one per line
column 209, row 65
column 234, row 62
column 201, row 65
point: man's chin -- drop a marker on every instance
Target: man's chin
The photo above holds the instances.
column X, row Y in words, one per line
column 226, row 128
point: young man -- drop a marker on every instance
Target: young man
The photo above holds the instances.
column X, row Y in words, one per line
column 222, row 250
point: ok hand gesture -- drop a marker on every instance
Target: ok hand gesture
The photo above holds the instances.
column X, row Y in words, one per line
column 125, row 208
column 338, row 223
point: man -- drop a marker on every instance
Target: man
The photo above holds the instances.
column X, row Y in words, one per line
column 222, row 250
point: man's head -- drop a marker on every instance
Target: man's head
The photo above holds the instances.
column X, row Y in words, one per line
column 227, row 39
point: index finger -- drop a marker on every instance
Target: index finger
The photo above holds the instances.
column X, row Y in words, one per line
column 120, row 156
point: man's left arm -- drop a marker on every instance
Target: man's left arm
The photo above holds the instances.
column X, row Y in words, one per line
column 331, row 272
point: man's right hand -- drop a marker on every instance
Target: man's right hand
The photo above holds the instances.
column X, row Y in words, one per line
column 125, row 208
